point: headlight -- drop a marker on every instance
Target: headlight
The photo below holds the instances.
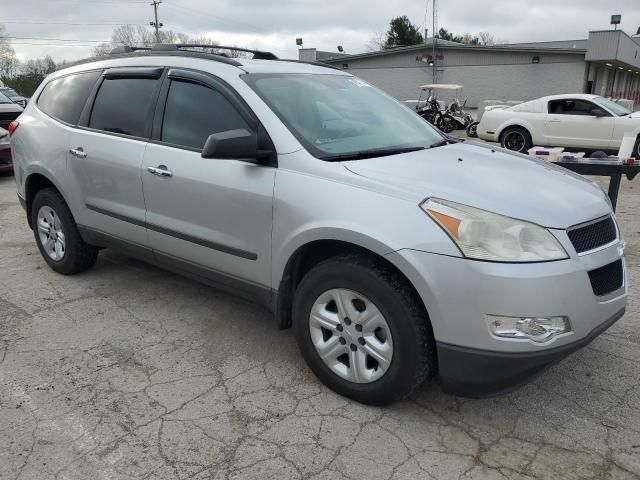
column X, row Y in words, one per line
column 483, row 235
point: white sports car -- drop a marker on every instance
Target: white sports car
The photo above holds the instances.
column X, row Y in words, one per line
column 576, row 121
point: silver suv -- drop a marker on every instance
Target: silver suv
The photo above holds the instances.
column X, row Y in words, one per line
column 395, row 254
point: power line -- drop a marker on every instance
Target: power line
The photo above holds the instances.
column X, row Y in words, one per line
column 201, row 13
column 58, row 39
column 53, row 44
column 30, row 22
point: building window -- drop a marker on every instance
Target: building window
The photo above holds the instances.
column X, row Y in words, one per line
column 345, row 65
column 535, row 59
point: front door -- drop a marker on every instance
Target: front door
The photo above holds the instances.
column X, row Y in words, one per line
column 571, row 123
column 213, row 217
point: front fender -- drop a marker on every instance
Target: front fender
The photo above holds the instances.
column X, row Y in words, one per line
column 310, row 208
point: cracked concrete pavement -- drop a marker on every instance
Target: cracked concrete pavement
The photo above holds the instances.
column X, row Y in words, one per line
column 128, row 371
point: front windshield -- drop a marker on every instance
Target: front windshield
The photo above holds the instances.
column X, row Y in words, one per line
column 9, row 92
column 4, row 98
column 614, row 107
column 335, row 116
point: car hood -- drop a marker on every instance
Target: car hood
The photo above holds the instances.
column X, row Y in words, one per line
column 492, row 179
column 635, row 114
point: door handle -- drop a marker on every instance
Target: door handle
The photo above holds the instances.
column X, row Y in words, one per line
column 160, row 170
column 78, row 152
column 554, row 120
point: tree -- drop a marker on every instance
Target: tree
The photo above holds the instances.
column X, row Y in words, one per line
column 31, row 74
column 486, row 38
column 445, row 34
column 8, row 61
column 137, row 36
column 402, row 33
column 470, row 39
column 377, row 42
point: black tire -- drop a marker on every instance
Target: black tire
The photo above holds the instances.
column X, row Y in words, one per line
column 414, row 358
column 446, row 123
column 472, row 130
column 636, row 148
column 78, row 256
column 429, row 116
column 516, row 139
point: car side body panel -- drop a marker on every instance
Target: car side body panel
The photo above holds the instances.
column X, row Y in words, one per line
column 548, row 129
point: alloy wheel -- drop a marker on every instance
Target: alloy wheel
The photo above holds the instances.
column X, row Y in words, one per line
column 514, row 141
column 51, row 233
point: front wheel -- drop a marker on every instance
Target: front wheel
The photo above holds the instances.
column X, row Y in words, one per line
column 446, row 123
column 362, row 330
column 472, row 130
column 516, row 139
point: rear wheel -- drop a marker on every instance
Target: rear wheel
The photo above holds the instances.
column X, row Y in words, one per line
column 57, row 235
column 516, row 139
column 362, row 330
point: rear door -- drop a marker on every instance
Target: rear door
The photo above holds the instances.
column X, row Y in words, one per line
column 212, row 217
column 106, row 151
column 570, row 123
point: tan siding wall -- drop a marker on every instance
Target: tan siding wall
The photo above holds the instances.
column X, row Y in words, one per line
column 486, row 82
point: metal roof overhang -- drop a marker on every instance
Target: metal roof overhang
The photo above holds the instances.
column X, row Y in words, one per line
column 615, row 49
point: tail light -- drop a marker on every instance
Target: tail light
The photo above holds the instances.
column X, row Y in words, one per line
column 13, row 126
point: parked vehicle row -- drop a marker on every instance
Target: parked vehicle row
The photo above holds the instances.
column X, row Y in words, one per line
column 579, row 121
column 14, row 96
column 6, row 163
column 9, row 111
column 389, row 249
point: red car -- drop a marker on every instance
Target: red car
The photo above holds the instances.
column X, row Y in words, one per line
column 6, row 163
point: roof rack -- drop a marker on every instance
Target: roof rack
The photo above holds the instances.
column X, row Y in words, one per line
column 127, row 49
column 257, row 54
column 188, row 49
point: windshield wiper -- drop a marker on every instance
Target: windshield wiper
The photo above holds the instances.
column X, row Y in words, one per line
column 441, row 143
column 445, row 141
column 371, row 154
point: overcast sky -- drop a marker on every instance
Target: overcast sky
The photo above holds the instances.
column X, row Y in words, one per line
column 323, row 24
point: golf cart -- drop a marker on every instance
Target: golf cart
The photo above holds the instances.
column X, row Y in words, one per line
column 451, row 118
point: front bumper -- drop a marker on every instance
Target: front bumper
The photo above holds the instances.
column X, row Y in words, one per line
column 459, row 293
column 479, row 373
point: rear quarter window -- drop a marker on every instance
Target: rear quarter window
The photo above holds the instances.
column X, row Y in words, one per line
column 64, row 98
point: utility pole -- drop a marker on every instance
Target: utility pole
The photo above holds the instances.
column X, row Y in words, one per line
column 156, row 24
column 434, row 42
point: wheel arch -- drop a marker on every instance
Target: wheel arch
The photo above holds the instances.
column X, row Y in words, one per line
column 524, row 125
column 35, row 182
column 309, row 254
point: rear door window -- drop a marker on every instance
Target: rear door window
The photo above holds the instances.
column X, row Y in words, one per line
column 123, row 105
column 193, row 112
column 64, row 98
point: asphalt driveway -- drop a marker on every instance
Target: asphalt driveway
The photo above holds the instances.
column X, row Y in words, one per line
column 128, row 371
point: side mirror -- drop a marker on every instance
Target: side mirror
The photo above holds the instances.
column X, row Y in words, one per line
column 237, row 144
column 598, row 112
